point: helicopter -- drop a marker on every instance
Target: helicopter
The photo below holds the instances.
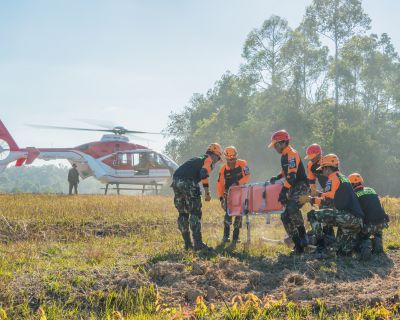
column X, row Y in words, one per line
column 113, row 160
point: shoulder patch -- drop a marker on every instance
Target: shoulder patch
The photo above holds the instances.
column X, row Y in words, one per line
column 328, row 186
column 292, row 163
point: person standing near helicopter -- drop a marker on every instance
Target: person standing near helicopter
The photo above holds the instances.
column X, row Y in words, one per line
column 187, row 192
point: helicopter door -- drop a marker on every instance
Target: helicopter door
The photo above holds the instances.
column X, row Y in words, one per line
column 124, row 164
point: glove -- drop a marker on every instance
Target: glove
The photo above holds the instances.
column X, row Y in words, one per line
column 304, row 199
column 273, row 180
column 283, row 196
column 207, row 197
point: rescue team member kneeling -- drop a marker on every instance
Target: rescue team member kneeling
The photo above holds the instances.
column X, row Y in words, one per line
column 234, row 173
column 346, row 213
column 314, row 155
column 375, row 219
column 187, row 192
column 295, row 185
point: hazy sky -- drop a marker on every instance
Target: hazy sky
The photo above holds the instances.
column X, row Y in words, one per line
column 130, row 62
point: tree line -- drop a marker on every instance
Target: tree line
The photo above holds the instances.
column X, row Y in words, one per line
column 326, row 81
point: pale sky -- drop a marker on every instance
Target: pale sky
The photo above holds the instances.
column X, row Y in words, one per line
column 130, row 62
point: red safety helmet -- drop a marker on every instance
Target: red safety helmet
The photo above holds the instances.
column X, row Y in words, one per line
column 280, row 135
column 313, row 151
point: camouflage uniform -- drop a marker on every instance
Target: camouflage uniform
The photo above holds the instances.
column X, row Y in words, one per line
column 187, row 201
column 292, row 218
column 343, row 212
column 187, row 198
column 348, row 227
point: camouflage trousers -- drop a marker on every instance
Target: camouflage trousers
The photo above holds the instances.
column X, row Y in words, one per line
column 187, row 201
column 349, row 227
column 292, row 218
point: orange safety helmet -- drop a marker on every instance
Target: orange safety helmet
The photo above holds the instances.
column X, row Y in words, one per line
column 280, row 135
column 356, row 178
column 230, row 153
column 330, row 160
column 313, row 151
column 215, row 148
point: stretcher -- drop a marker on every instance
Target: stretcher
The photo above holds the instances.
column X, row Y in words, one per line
column 254, row 199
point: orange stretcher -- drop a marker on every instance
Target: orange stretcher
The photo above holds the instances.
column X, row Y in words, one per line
column 254, row 199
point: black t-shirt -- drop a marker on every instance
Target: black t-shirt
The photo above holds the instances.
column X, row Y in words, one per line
column 192, row 169
column 371, row 205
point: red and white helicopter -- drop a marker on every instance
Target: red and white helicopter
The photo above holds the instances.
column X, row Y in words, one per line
column 113, row 160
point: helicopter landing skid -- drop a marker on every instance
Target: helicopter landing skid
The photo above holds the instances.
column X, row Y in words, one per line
column 155, row 188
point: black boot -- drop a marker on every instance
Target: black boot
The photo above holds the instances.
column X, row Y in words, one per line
column 298, row 248
column 365, row 249
column 198, row 242
column 188, row 241
column 302, row 237
column 320, row 250
column 226, row 233
column 377, row 245
column 236, row 235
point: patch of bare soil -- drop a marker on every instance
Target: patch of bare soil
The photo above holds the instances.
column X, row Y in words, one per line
column 341, row 282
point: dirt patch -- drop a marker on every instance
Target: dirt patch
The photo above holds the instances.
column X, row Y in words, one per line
column 341, row 282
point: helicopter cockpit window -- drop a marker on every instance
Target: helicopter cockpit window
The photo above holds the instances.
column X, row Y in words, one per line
column 147, row 161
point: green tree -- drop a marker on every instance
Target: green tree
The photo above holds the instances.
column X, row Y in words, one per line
column 337, row 20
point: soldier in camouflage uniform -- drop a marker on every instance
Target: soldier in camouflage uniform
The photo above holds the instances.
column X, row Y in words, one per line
column 342, row 209
column 375, row 219
column 295, row 186
column 187, row 192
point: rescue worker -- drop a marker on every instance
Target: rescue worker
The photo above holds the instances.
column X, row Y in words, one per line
column 73, row 179
column 375, row 219
column 235, row 172
column 187, row 192
column 341, row 209
column 314, row 154
column 295, row 185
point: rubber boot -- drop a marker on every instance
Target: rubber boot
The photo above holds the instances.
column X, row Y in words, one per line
column 377, row 245
column 365, row 249
column 235, row 237
column 198, row 242
column 226, row 233
column 188, row 241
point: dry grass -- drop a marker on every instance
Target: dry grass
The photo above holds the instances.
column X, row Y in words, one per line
column 88, row 256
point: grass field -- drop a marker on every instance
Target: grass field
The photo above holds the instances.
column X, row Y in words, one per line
column 97, row 257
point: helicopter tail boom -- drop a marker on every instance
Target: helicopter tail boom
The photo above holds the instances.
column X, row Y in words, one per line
column 6, row 136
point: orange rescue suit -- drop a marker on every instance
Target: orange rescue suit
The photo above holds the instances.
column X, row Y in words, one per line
column 238, row 175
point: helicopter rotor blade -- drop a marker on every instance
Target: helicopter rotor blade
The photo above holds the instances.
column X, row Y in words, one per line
column 100, row 123
column 66, row 128
column 135, row 137
column 142, row 132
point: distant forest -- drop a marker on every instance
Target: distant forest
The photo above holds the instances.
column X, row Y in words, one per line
column 43, row 179
column 328, row 81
